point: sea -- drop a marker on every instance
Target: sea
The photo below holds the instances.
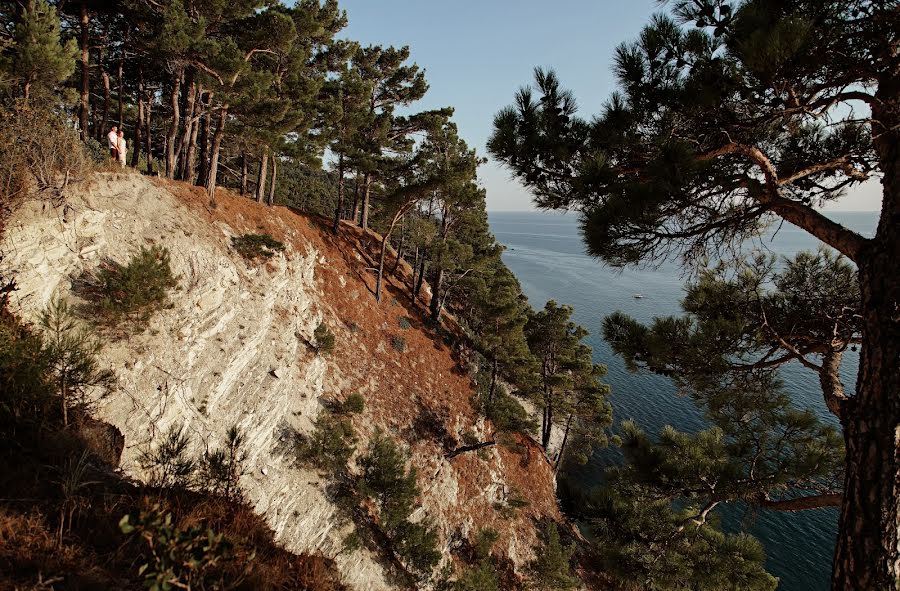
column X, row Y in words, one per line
column 546, row 252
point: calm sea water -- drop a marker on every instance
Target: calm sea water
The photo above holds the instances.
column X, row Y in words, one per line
column 546, row 253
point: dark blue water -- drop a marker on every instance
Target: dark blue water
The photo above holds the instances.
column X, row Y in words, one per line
column 546, row 253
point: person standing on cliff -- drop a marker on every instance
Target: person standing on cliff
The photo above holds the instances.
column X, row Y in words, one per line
column 122, row 147
column 112, row 139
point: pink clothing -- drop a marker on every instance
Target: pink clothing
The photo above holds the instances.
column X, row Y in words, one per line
column 113, row 138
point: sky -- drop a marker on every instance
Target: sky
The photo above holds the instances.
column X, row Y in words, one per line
column 477, row 53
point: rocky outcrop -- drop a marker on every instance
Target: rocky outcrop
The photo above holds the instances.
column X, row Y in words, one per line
column 233, row 348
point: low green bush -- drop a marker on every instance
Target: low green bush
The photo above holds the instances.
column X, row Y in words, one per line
column 354, row 404
column 330, row 445
column 178, row 558
column 168, row 464
column 398, row 343
column 551, row 568
column 324, row 338
column 221, row 469
column 132, row 291
column 256, row 247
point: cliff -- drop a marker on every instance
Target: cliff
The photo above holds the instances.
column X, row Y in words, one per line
column 234, row 348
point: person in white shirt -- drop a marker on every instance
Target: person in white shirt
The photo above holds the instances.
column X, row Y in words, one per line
column 113, row 139
column 122, row 147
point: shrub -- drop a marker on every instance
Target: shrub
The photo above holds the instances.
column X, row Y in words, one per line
column 404, row 322
column 183, row 558
column 221, row 470
column 386, row 480
column 134, row 290
column 26, row 390
column 330, row 445
column 508, row 414
column 551, row 568
column 354, row 404
column 416, row 543
column 71, row 357
column 481, row 577
column 324, row 338
column 398, row 343
column 38, row 150
column 168, row 465
column 255, row 247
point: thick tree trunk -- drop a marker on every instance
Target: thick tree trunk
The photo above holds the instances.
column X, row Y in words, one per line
column 85, row 71
column 190, row 158
column 367, row 193
column 139, row 123
column 867, row 555
column 271, row 200
column 261, row 176
column 214, row 155
column 190, row 114
column 243, row 172
column 203, row 172
column 340, row 195
column 175, row 123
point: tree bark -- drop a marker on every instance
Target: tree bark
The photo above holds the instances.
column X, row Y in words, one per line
column 190, row 120
column 190, row 158
column 85, row 71
column 203, row 172
column 421, row 279
column 399, row 247
column 494, row 370
column 867, row 555
column 356, row 200
column 261, row 176
column 436, row 284
column 562, row 446
column 139, row 123
column 271, row 200
column 367, row 192
column 101, row 130
column 175, row 123
column 121, row 94
column 243, row 172
column 148, row 140
column 214, row 156
column 467, row 448
column 340, row 195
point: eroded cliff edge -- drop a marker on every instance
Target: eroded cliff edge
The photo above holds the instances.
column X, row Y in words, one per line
column 234, row 348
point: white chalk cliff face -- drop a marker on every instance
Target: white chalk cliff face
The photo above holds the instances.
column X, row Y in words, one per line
column 230, row 350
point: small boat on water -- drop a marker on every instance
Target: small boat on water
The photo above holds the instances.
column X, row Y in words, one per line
column 638, row 296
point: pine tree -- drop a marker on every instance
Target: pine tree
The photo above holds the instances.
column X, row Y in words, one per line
column 569, row 391
column 730, row 116
column 39, row 60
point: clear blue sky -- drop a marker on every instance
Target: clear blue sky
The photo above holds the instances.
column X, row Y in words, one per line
column 477, row 53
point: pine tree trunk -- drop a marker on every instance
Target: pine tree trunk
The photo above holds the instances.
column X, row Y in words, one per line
column 421, row 279
column 175, row 123
column 101, row 129
column 243, row 173
column 261, row 177
column 148, row 140
column 190, row 160
column 562, row 446
column 190, row 106
column 867, row 555
column 367, row 192
column 492, row 389
column 139, row 123
column 438, row 280
column 214, row 155
column 271, row 200
column 340, row 195
column 203, row 173
column 121, row 94
column 85, row 71
column 356, row 200
column 399, row 247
